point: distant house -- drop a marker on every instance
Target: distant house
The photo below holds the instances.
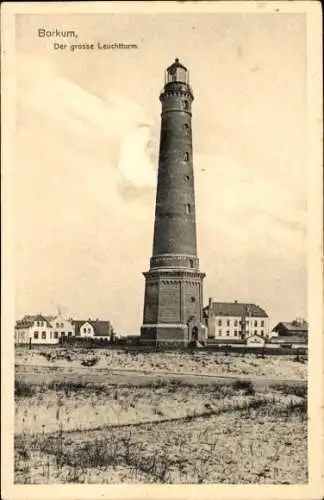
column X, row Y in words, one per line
column 92, row 328
column 255, row 340
column 297, row 327
column 290, row 333
column 39, row 329
column 235, row 320
column 62, row 327
column 35, row 329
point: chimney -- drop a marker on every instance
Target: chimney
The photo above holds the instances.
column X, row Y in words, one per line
column 210, row 301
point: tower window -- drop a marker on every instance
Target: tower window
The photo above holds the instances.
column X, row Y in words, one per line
column 186, row 104
column 188, row 208
column 191, row 262
column 186, row 156
column 192, row 299
column 187, row 178
column 185, row 126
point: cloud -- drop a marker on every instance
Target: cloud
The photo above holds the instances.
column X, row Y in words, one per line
column 65, row 130
column 134, row 161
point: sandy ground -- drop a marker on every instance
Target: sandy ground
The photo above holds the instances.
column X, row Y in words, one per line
column 88, row 409
column 167, row 432
column 227, row 448
column 197, row 363
column 91, row 424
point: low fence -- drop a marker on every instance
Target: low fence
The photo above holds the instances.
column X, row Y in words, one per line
column 215, row 348
column 266, row 351
column 133, row 346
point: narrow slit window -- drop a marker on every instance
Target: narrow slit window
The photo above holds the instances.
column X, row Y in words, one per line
column 185, row 104
column 186, row 156
column 188, row 208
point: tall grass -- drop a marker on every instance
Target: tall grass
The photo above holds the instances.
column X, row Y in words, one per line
column 244, row 385
column 133, row 446
column 25, row 389
column 294, row 390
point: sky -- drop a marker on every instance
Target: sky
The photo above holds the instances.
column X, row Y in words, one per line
column 86, row 158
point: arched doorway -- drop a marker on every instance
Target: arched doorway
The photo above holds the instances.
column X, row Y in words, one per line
column 195, row 333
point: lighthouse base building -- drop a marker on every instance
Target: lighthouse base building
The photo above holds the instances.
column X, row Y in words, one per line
column 172, row 310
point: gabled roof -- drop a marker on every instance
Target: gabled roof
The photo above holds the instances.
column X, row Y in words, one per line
column 50, row 318
column 237, row 309
column 100, row 328
column 29, row 320
column 291, row 327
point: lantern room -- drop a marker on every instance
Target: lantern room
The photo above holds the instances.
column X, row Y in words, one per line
column 177, row 73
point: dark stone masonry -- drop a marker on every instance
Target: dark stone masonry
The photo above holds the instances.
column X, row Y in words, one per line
column 174, row 284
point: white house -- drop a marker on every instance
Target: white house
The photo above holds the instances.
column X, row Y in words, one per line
column 39, row 329
column 62, row 327
column 35, row 329
column 235, row 320
column 255, row 341
column 92, row 328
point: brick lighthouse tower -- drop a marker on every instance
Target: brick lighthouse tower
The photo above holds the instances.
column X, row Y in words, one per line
column 173, row 285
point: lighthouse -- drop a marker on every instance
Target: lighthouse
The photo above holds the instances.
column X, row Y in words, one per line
column 174, row 284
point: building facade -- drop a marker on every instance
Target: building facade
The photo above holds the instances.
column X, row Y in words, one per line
column 174, row 284
column 298, row 327
column 290, row 333
column 34, row 329
column 92, row 328
column 235, row 320
column 62, row 327
column 39, row 329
